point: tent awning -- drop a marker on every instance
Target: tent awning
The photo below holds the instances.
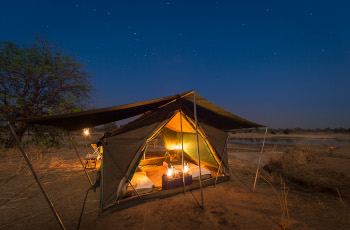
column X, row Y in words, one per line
column 207, row 112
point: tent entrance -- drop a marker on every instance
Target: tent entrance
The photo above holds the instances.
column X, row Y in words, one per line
column 164, row 148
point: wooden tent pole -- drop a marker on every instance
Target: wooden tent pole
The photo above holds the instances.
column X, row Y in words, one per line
column 222, row 157
column 257, row 170
column 199, row 158
column 81, row 162
column 182, row 150
column 36, row 177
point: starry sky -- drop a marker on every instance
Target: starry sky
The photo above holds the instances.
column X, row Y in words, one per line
column 278, row 63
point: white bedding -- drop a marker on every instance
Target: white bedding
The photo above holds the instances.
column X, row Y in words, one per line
column 141, row 183
column 205, row 173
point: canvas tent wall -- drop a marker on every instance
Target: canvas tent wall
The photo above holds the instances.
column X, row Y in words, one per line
column 124, row 146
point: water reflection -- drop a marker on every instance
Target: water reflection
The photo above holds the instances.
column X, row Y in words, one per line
column 278, row 141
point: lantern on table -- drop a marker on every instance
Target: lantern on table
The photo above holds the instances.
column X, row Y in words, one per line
column 170, row 171
column 186, row 168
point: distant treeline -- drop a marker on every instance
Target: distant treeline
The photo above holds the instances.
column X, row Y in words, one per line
column 292, row 130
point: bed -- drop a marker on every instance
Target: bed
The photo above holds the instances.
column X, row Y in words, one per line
column 141, row 183
column 205, row 173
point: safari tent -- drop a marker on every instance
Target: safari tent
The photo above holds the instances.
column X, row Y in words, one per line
column 180, row 131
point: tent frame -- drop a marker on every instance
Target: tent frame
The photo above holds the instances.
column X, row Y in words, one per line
column 182, row 151
column 199, row 157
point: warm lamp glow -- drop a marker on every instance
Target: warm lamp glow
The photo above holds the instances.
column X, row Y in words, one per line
column 186, row 168
column 169, row 171
column 177, row 147
column 86, row 131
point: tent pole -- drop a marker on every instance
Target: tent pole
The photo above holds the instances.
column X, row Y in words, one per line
column 101, row 186
column 182, row 150
column 199, row 158
column 36, row 177
column 81, row 162
column 222, row 157
column 257, row 170
column 104, row 148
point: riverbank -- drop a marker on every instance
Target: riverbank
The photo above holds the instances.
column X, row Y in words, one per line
column 308, row 135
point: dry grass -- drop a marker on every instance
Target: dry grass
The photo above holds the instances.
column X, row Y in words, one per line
column 307, row 166
column 293, row 157
column 282, row 198
column 245, row 172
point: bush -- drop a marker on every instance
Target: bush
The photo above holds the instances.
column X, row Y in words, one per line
column 286, row 131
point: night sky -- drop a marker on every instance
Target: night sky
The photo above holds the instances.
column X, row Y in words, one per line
column 278, row 63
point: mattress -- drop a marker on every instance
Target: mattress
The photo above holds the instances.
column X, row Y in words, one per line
column 205, row 173
column 141, row 183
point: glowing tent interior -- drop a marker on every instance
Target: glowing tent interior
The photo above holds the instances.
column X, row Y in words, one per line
column 175, row 133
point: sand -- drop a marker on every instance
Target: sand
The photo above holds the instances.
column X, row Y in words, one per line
column 229, row 205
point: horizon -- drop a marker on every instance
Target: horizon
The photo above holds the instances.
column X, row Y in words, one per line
column 284, row 65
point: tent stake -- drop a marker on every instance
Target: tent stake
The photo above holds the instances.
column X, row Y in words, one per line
column 36, row 177
column 81, row 162
column 262, row 149
column 199, row 158
column 222, row 157
column 182, row 150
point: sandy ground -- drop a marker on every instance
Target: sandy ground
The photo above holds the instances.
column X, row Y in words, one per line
column 229, row 205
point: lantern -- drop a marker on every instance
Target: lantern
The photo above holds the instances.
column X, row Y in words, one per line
column 86, row 131
column 186, row 168
column 170, row 171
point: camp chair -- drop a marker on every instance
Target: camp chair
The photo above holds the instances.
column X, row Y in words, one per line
column 92, row 158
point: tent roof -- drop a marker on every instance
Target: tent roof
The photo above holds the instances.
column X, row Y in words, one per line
column 175, row 124
column 207, row 113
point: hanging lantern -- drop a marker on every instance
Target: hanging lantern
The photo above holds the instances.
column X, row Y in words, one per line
column 86, row 131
